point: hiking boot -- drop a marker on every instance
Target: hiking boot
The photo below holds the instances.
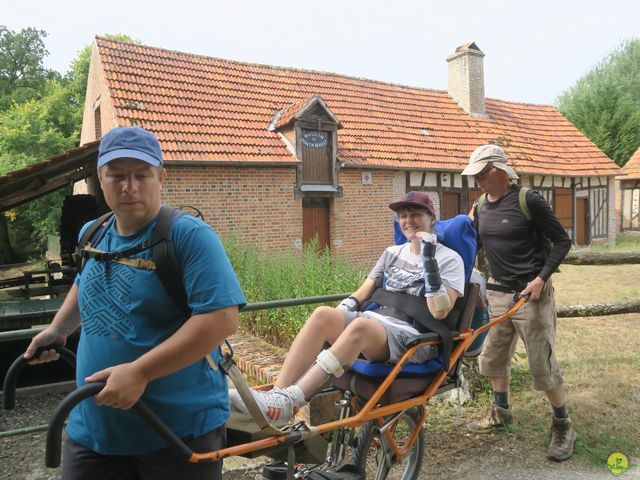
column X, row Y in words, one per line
column 277, row 404
column 496, row 417
column 563, row 436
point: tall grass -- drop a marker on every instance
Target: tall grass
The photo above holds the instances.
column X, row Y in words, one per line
column 624, row 242
column 268, row 275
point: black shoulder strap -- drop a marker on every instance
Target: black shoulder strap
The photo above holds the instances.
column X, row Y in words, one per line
column 416, row 308
column 163, row 253
column 88, row 236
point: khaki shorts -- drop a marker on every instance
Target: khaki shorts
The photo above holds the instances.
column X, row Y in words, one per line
column 535, row 324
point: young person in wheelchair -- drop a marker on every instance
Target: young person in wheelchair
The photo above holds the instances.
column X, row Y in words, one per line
column 421, row 268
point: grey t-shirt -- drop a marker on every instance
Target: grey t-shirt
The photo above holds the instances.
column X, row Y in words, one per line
column 404, row 271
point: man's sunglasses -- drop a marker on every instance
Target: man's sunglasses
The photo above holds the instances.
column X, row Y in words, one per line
column 484, row 172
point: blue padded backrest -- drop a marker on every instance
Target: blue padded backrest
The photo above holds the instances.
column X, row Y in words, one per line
column 372, row 369
column 457, row 233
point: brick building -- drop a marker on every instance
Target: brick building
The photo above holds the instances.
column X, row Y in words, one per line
column 279, row 155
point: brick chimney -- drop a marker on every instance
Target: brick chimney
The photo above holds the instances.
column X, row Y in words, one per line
column 466, row 78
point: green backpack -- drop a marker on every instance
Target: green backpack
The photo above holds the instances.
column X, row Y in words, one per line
column 546, row 243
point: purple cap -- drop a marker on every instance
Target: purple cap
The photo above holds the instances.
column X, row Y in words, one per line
column 415, row 199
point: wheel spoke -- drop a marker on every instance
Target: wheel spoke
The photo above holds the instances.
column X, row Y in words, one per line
column 369, row 454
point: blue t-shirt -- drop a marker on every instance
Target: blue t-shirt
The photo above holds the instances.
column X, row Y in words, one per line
column 126, row 312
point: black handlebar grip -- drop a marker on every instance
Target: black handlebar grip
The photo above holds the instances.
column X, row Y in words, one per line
column 11, row 378
column 54, row 432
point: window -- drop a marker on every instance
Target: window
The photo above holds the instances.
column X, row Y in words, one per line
column 97, row 122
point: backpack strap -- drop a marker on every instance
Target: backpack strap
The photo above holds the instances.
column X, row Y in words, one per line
column 163, row 254
column 479, row 204
column 93, row 234
column 522, row 199
column 167, row 266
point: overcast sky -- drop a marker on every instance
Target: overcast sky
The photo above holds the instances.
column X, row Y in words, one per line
column 534, row 49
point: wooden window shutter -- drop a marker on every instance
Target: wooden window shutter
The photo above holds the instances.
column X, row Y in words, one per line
column 316, row 155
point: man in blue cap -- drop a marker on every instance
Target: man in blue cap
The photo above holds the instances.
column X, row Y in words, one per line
column 136, row 338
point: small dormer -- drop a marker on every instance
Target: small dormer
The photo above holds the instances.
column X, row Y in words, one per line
column 311, row 129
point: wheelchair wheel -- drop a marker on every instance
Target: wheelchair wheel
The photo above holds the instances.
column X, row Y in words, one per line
column 373, row 456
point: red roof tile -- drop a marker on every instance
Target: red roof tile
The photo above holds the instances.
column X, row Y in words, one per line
column 204, row 108
column 289, row 112
column 631, row 169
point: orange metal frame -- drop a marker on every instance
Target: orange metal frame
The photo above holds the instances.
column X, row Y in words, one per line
column 369, row 412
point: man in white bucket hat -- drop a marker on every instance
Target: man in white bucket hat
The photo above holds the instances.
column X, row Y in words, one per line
column 514, row 223
column 488, row 156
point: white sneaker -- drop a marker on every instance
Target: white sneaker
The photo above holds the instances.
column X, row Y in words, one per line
column 276, row 404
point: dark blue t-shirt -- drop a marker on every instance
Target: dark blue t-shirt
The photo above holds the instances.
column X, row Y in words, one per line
column 126, row 312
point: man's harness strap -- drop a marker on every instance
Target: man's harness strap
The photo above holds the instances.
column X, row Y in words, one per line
column 416, row 308
column 164, row 261
column 102, row 256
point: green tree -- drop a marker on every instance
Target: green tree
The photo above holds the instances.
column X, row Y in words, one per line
column 22, row 73
column 605, row 103
column 30, row 132
column 76, row 78
column 22, row 77
column 40, row 116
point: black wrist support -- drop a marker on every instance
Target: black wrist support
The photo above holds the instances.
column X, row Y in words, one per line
column 432, row 273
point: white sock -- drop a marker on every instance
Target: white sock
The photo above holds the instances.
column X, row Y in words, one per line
column 297, row 395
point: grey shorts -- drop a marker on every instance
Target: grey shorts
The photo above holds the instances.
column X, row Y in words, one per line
column 397, row 336
column 80, row 462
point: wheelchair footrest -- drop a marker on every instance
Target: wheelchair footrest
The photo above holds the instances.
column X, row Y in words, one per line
column 242, row 429
column 278, row 471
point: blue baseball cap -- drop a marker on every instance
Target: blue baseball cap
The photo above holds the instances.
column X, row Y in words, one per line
column 129, row 142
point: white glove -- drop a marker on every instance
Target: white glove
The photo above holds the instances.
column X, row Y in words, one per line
column 350, row 304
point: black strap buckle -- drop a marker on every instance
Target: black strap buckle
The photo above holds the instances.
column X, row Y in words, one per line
column 226, row 363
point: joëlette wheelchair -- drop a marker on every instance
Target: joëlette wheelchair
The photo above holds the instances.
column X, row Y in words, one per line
column 376, row 431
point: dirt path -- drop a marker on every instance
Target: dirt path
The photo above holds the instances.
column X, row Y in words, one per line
column 478, row 457
column 448, row 456
column 461, row 455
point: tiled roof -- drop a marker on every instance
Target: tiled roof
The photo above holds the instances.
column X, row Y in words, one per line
column 33, row 181
column 204, row 108
column 631, row 169
column 289, row 111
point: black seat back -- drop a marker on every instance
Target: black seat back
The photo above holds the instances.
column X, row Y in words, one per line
column 471, row 297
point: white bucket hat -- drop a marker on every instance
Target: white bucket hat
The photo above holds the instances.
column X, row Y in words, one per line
column 488, row 154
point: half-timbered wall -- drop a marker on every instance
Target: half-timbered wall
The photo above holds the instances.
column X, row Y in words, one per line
column 630, row 205
column 597, row 191
column 447, row 190
column 568, row 196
